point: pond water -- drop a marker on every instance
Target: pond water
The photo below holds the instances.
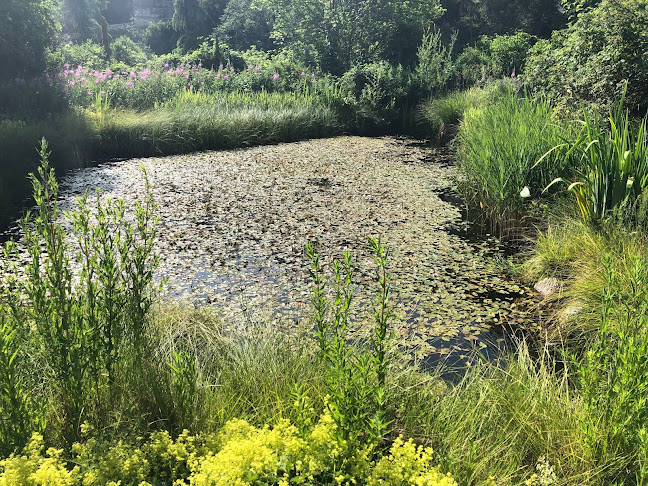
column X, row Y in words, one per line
column 233, row 226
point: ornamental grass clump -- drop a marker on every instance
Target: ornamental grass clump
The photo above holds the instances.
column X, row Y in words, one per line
column 499, row 146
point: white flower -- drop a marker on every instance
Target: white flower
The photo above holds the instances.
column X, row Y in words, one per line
column 525, row 192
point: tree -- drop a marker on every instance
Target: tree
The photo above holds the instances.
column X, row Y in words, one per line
column 574, row 8
column 83, row 20
column 244, row 25
column 474, row 18
column 594, row 57
column 27, row 30
column 189, row 20
column 337, row 34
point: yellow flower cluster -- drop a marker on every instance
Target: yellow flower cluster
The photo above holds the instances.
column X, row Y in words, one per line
column 239, row 455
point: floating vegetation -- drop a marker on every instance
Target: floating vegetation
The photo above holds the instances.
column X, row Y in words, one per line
column 233, row 226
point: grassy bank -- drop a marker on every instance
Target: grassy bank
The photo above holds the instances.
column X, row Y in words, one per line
column 194, row 122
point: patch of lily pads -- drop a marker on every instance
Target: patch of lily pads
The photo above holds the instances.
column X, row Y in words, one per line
column 233, row 226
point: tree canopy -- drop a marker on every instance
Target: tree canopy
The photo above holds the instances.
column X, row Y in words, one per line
column 27, row 29
column 341, row 33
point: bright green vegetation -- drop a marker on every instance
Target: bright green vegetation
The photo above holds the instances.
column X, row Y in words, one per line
column 499, row 146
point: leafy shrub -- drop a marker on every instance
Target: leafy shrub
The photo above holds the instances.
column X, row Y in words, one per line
column 29, row 28
column 474, row 65
column 126, row 51
column 434, row 64
column 208, row 54
column 88, row 54
column 240, row 454
column 380, row 94
column 593, row 58
column 492, row 57
column 509, row 52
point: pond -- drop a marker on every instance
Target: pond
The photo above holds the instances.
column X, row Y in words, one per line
column 233, row 226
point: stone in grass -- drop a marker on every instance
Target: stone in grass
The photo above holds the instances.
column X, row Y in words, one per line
column 547, row 287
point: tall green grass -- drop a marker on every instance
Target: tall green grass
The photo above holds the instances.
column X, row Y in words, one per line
column 582, row 257
column 438, row 114
column 502, row 422
column 499, row 146
column 190, row 128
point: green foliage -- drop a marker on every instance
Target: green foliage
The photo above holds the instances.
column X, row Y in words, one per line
column 126, row 51
column 499, row 147
column 208, row 53
column 434, row 64
column 84, row 20
column 614, row 376
column 472, row 67
column 246, row 24
column 439, row 118
column 356, row 382
column 18, row 414
column 339, row 35
column 575, row 7
column 184, row 379
column 509, row 52
column 188, row 16
column 473, row 19
column 84, row 322
column 89, row 54
column 160, row 37
column 492, row 57
column 28, row 28
column 613, row 169
column 573, row 253
column 379, row 95
column 240, row 454
column 593, row 59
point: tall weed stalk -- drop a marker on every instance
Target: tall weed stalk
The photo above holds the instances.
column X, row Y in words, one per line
column 614, row 378
column 85, row 295
column 356, row 377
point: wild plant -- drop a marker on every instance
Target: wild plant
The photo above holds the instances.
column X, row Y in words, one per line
column 435, row 66
column 356, row 376
column 19, row 415
column 614, row 377
column 86, row 294
column 498, row 150
column 613, row 163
